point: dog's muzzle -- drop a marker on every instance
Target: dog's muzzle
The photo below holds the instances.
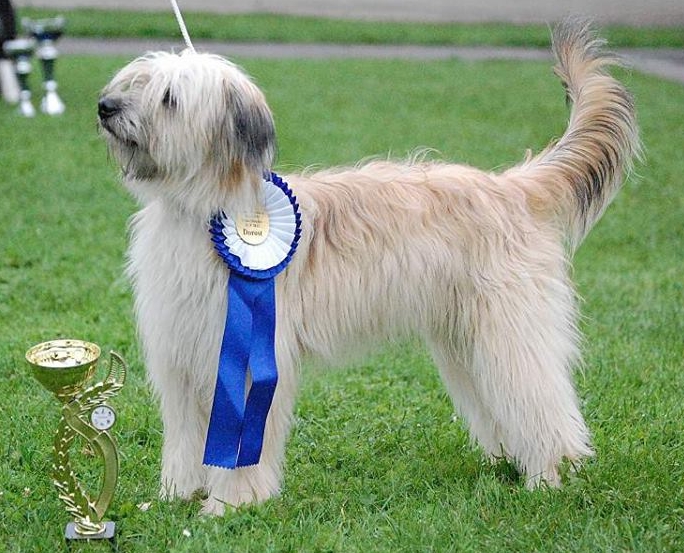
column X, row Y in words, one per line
column 107, row 107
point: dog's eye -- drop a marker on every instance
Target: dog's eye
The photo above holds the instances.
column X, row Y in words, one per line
column 169, row 100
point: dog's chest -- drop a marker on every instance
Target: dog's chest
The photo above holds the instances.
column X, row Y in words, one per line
column 179, row 283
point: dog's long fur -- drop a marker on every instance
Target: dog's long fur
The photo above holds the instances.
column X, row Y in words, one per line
column 473, row 262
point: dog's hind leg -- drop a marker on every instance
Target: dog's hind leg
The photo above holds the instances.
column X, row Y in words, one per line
column 456, row 376
column 524, row 346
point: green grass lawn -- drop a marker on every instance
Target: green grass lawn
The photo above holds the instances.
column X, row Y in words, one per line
column 376, row 461
column 279, row 28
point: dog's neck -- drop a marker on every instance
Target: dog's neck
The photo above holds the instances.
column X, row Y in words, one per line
column 196, row 199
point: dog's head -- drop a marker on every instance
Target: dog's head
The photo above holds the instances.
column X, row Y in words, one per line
column 178, row 122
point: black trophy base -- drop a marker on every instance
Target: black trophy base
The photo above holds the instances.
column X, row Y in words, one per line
column 72, row 534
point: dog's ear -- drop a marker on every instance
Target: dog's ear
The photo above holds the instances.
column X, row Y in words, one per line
column 255, row 131
column 248, row 133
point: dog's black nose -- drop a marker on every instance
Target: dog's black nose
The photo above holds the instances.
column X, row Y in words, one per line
column 107, row 107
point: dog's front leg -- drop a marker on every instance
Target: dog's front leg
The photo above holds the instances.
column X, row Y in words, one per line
column 253, row 484
column 182, row 472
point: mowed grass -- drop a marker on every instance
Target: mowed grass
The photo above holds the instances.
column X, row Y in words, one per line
column 264, row 27
column 376, row 461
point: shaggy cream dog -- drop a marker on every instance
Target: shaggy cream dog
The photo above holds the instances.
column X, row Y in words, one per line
column 475, row 263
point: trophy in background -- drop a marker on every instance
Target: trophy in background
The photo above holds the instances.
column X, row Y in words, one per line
column 20, row 51
column 46, row 32
column 64, row 367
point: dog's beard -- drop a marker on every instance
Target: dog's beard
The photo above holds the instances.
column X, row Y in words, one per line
column 140, row 166
column 136, row 163
column 129, row 149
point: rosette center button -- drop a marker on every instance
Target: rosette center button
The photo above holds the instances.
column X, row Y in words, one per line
column 252, row 228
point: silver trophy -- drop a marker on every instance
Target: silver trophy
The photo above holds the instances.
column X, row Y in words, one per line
column 46, row 32
column 20, row 51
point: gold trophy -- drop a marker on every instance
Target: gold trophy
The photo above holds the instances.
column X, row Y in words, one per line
column 64, row 367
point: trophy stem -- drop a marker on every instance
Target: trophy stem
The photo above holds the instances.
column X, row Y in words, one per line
column 88, row 513
column 51, row 103
column 46, row 32
column 20, row 51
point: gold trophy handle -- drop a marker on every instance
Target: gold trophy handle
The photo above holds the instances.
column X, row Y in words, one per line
column 117, row 369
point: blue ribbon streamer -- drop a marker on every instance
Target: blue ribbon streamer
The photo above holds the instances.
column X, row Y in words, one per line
column 236, row 427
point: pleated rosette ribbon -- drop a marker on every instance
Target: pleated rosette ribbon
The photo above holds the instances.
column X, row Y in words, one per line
column 256, row 247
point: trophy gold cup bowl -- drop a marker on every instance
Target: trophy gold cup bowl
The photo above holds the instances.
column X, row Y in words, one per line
column 65, row 367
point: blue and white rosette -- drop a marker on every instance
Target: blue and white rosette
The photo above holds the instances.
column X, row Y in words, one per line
column 236, row 426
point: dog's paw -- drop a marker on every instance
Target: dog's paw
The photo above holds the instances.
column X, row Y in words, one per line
column 214, row 507
column 170, row 492
column 547, row 479
column 167, row 492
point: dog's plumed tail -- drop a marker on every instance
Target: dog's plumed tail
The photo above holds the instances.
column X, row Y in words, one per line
column 577, row 177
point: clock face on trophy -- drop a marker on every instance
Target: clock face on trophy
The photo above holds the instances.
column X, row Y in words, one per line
column 103, row 417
